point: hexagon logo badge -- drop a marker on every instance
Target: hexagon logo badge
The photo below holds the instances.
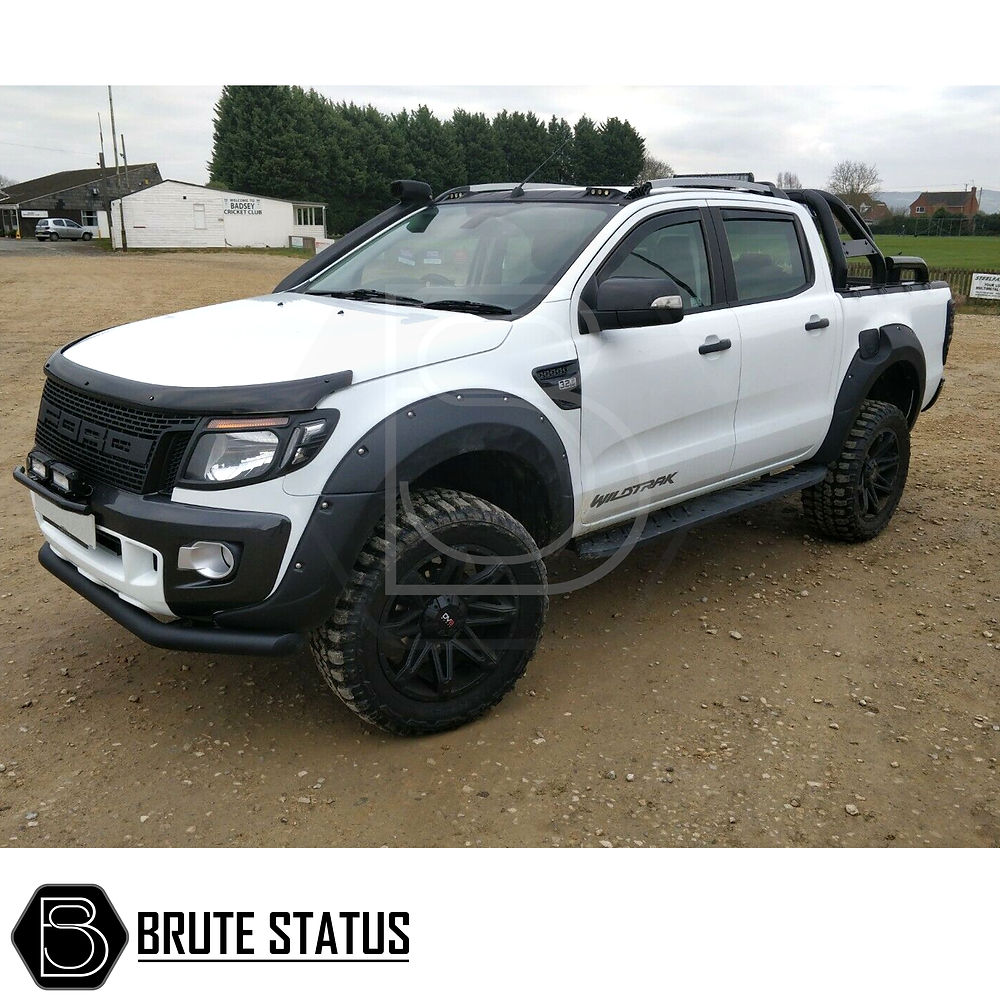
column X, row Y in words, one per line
column 69, row 937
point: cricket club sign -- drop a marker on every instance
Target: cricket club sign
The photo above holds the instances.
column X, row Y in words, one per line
column 241, row 205
column 69, row 937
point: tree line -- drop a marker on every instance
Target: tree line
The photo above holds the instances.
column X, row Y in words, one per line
column 296, row 144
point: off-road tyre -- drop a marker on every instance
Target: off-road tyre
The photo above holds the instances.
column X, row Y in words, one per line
column 361, row 652
column 862, row 487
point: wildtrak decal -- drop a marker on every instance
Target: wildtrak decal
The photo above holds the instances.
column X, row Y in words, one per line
column 649, row 484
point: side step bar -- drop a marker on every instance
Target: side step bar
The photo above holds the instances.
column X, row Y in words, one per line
column 701, row 510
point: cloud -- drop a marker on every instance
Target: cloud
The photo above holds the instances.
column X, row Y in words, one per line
column 919, row 137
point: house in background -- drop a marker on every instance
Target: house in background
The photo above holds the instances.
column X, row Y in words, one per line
column 961, row 203
column 874, row 211
column 79, row 195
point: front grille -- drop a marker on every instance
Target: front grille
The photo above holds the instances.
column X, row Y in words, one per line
column 130, row 449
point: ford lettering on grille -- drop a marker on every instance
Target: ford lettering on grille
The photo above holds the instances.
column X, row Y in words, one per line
column 124, row 446
column 94, row 437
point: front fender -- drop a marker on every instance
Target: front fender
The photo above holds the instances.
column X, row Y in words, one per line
column 401, row 448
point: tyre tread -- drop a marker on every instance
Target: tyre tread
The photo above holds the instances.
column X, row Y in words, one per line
column 335, row 644
column 829, row 506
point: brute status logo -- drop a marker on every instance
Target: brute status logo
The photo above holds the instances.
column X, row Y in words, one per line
column 69, row 937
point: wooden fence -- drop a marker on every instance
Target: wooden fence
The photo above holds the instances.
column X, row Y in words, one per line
column 960, row 279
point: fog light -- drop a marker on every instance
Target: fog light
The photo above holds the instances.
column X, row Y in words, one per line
column 67, row 480
column 37, row 467
column 214, row 560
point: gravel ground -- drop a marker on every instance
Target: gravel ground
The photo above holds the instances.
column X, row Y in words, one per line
column 757, row 688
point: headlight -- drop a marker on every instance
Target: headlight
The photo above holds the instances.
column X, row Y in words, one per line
column 236, row 449
column 225, row 458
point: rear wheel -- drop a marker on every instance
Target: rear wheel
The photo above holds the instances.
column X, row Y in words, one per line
column 456, row 642
column 54, row 236
column 863, row 486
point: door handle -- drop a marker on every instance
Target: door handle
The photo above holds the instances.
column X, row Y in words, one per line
column 815, row 323
column 710, row 347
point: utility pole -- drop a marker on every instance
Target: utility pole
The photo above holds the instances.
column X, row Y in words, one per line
column 105, row 197
column 125, row 161
column 111, row 104
column 121, row 200
column 118, row 185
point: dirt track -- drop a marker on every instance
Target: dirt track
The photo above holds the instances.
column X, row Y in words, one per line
column 865, row 681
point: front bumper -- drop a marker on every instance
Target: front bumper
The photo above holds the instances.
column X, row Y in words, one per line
column 175, row 635
column 119, row 550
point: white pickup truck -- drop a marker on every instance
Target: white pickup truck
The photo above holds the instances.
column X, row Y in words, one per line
column 379, row 455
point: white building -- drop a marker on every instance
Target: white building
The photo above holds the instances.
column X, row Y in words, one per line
column 177, row 214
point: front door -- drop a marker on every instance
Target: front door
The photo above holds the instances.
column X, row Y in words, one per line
column 658, row 414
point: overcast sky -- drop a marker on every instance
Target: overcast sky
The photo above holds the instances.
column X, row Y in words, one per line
column 934, row 137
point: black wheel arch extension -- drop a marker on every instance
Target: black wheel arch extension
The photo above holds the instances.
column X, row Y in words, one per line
column 473, row 430
column 433, row 442
column 889, row 365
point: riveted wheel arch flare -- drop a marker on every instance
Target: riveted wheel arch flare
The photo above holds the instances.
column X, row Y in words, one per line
column 354, row 497
column 445, row 426
column 897, row 344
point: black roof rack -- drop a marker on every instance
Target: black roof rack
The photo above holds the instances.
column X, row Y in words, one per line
column 501, row 186
column 720, row 182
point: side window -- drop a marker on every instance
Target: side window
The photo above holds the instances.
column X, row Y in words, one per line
column 767, row 257
column 675, row 250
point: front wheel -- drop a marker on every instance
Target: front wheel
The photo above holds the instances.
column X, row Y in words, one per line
column 863, row 486
column 455, row 642
column 87, row 236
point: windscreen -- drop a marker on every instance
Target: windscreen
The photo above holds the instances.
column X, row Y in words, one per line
column 502, row 257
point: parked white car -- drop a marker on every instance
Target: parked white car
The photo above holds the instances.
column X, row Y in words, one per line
column 61, row 229
column 379, row 455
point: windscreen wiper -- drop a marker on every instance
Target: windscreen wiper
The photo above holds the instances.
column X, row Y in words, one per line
column 673, row 277
column 371, row 295
column 467, row 305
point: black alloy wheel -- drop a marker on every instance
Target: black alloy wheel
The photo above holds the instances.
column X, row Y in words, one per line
column 879, row 472
column 443, row 612
column 863, row 486
column 432, row 648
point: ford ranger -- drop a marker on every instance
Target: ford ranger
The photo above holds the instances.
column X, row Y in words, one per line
column 378, row 457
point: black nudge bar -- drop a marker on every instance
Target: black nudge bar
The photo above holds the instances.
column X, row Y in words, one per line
column 175, row 635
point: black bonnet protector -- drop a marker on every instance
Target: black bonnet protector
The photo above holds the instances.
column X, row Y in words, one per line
column 269, row 397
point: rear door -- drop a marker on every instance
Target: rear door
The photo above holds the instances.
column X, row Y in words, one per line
column 790, row 324
column 658, row 413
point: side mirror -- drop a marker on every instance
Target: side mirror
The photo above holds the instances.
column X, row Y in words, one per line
column 622, row 303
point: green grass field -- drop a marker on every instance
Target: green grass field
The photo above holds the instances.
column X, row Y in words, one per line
column 974, row 253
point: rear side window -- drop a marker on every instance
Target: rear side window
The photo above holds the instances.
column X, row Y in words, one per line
column 767, row 254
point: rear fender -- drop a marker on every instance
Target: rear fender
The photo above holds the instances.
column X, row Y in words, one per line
column 878, row 350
